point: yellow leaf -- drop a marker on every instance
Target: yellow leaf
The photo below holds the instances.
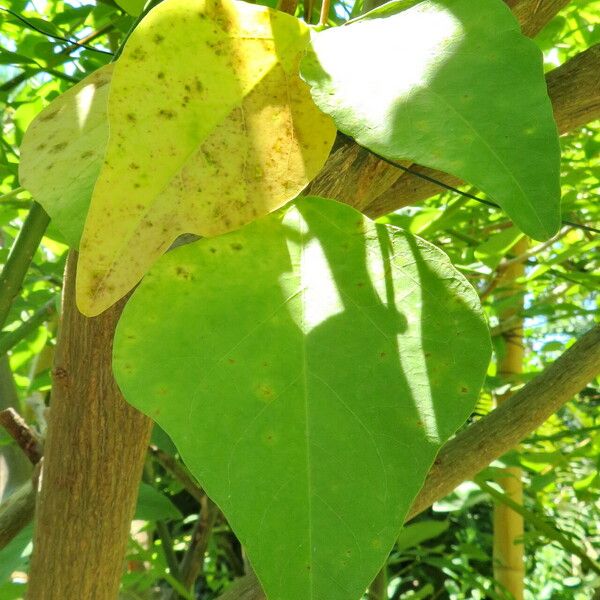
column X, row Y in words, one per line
column 62, row 152
column 210, row 128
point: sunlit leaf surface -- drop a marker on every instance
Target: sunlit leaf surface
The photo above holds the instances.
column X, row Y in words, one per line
column 210, row 127
column 62, row 152
column 308, row 367
column 453, row 85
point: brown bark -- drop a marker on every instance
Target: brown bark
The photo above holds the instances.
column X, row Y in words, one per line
column 25, row 437
column 494, row 435
column 574, row 90
column 509, row 526
column 533, row 15
column 93, row 460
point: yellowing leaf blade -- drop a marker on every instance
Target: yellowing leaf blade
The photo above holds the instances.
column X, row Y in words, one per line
column 62, row 151
column 211, row 127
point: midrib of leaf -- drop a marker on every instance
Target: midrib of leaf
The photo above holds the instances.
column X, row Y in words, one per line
column 306, row 416
column 492, row 152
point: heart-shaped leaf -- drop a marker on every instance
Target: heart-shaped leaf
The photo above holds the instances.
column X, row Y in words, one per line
column 453, row 85
column 62, row 152
column 308, row 367
column 210, row 127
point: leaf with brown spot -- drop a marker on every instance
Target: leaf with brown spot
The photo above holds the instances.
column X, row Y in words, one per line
column 61, row 153
column 229, row 134
column 313, row 456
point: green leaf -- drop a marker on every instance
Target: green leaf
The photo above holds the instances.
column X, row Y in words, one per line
column 13, row 58
column 417, row 533
column 62, row 152
column 133, row 7
column 154, row 506
column 308, row 367
column 453, row 85
column 493, row 250
column 210, row 128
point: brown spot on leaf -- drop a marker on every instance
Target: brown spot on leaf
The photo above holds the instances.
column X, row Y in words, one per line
column 138, row 53
column 49, row 116
column 183, row 273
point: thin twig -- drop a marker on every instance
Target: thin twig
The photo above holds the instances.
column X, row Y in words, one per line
column 522, row 258
column 288, row 6
column 166, row 542
column 451, row 188
column 324, row 16
column 539, row 524
column 193, row 560
column 53, row 36
column 178, row 471
column 25, row 437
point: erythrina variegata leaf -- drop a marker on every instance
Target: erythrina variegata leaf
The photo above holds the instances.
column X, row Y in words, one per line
column 453, row 85
column 62, row 152
column 308, row 367
column 210, row 128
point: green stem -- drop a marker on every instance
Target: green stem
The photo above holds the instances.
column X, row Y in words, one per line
column 12, row 338
column 166, row 542
column 164, row 535
column 538, row 523
column 12, row 194
column 20, row 257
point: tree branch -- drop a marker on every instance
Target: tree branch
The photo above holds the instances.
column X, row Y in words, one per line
column 492, row 436
column 93, row 458
column 534, row 15
column 500, row 431
column 25, row 437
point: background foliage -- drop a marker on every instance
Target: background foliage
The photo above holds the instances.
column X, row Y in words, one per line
column 446, row 553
